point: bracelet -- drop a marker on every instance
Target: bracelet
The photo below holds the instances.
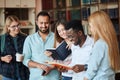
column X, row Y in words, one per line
column 85, row 67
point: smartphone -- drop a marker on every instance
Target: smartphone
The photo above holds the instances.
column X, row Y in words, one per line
column 43, row 73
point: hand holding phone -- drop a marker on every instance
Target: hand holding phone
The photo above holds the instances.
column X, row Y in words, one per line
column 43, row 73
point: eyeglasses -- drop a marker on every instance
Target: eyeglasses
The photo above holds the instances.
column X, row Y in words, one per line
column 15, row 26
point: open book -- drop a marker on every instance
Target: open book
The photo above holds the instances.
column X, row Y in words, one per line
column 59, row 65
column 61, row 52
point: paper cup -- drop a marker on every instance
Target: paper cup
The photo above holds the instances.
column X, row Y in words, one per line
column 19, row 57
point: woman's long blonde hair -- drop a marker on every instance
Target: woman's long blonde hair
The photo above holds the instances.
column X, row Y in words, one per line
column 8, row 22
column 104, row 29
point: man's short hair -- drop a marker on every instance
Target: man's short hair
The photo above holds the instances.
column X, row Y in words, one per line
column 43, row 13
column 76, row 25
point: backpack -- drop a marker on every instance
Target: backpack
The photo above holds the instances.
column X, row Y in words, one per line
column 2, row 48
column 2, row 42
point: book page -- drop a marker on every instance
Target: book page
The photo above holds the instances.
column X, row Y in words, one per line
column 59, row 65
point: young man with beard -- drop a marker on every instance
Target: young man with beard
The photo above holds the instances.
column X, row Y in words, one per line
column 34, row 48
column 80, row 50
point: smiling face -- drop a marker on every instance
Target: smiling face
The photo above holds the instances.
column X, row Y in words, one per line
column 74, row 36
column 61, row 31
column 14, row 28
column 43, row 23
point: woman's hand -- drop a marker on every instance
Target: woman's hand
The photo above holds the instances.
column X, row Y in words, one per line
column 67, row 62
column 48, row 53
column 69, row 44
column 6, row 58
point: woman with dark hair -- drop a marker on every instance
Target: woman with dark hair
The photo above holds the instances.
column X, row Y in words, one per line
column 60, row 36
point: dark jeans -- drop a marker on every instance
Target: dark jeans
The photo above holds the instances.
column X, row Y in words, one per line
column 66, row 78
column 17, row 75
column 6, row 78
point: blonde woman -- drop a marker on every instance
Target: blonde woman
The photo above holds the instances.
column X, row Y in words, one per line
column 10, row 69
column 105, row 57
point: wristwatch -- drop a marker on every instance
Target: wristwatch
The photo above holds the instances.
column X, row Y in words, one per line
column 85, row 67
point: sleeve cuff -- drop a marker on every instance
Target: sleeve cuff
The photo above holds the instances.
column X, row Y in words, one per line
column 25, row 62
column 85, row 67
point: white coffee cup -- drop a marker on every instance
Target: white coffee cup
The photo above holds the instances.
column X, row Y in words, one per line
column 19, row 57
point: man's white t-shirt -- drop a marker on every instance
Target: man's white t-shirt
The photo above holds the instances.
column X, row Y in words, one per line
column 80, row 55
